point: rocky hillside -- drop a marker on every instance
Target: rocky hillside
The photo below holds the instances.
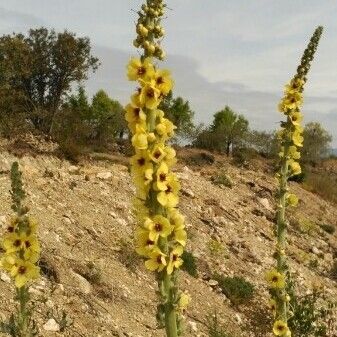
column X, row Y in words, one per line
column 91, row 272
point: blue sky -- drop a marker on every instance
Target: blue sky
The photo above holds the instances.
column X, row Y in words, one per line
column 233, row 52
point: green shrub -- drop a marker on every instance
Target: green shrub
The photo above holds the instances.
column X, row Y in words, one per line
column 242, row 156
column 330, row 229
column 215, row 247
column 222, row 179
column 237, row 289
column 312, row 316
column 333, row 272
column 189, row 265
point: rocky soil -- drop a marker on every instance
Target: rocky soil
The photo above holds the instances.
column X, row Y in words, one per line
column 91, row 273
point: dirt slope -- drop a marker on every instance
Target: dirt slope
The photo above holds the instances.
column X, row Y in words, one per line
column 86, row 226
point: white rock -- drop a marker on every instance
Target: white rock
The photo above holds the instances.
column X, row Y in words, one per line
column 315, row 250
column 213, row 283
column 4, row 277
column 73, row 169
column 3, row 220
column 104, row 175
column 188, row 192
column 238, row 318
column 265, row 203
column 51, row 325
column 193, row 326
column 83, row 284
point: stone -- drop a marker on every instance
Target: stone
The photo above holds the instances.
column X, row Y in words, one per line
column 265, row 203
column 315, row 250
column 188, row 193
column 83, row 284
column 104, row 175
column 73, row 169
column 5, row 278
column 51, row 325
column 193, row 326
column 213, row 283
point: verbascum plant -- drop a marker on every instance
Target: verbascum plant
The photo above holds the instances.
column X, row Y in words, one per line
column 21, row 254
column 160, row 235
column 291, row 140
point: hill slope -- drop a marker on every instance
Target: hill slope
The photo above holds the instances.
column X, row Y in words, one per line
column 86, row 227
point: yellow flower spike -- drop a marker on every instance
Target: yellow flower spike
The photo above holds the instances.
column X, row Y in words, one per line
column 23, row 272
column 158, row 226
column 292, row 200
column 163, row 81
column 140, row 70
column 150, row 96
column 292, row 101
column 280, row 328
column 178, row 222
column 157, row 261
column 275, row 279
column 175, row 260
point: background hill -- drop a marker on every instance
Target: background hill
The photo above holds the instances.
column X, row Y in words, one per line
column 91, row 272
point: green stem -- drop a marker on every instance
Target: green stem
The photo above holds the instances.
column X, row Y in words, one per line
column 281, row 302
column 170, row 313
column 23, row 297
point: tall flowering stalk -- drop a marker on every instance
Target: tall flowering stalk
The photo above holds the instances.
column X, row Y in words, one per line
column 160, row 236
column 291, row 140
column 21, row 253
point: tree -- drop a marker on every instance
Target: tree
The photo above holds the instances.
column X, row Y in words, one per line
column 316, row 142
column 230, row 128
column 108, row 115
column 41, row 67
column 178, row 111
column 264, row 142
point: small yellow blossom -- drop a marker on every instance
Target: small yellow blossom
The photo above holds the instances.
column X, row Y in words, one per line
column 163, row 81
column 158, row 226
column 175, row 260
column 157, row 260
column 280, row 328
column 275, row 279
column 140, row 70
column 23, row 272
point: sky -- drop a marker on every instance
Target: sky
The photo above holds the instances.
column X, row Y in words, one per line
column 232, row 52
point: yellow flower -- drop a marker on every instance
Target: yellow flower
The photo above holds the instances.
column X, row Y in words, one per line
column 29, row 245
column 184, row 301
column 295, row 85
column 158, row 153
column 280, row 328
column 23, row 272
column 275, row 279
column 175, row 260
column 140, row 161
column 157, row 260
column 292, row 101
column 293, row 153
column 135, row 98
column 272, row 305
column 178, row 221
column 139, row 139
column 292, row 200
column 163, row 81
column 150, row 96
column 144, row 245
column 165, row 128
column 294, row 167
column 170, row 157
column 296, row 118
column 140, row 70
column 297, row 138
column 161, row 177
column 169, row 198
column 134, row 114
column 158, row 226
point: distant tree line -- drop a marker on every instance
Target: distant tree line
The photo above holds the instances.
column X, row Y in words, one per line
column 39, row 70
